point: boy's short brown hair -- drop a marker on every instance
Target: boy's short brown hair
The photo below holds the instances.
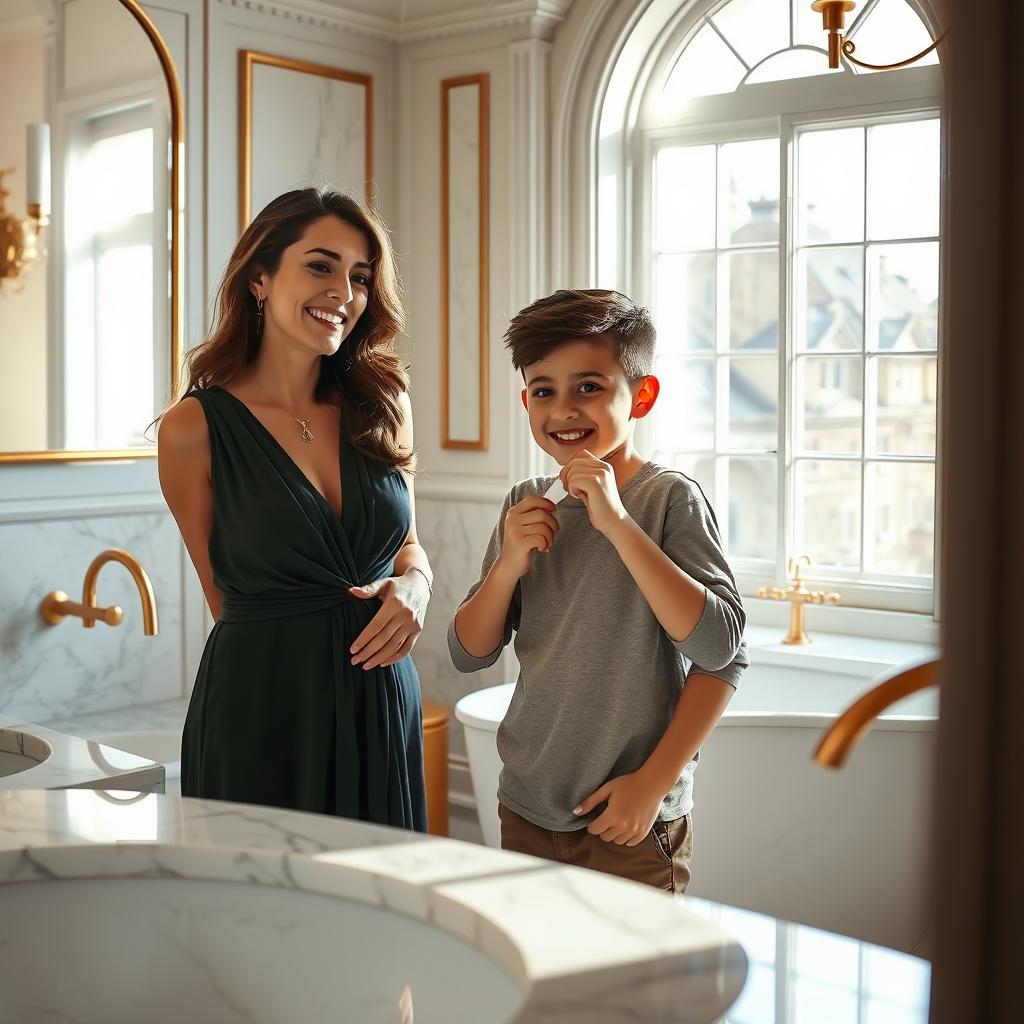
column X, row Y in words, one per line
column 584, row 314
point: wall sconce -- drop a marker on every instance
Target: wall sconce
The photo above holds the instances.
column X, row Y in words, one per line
column 833, row 17
column 20, row 240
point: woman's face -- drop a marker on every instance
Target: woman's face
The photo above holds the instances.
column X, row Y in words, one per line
column 320, row 289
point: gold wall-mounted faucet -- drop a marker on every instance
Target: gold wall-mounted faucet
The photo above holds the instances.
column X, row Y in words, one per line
column 56, row 606
column 857, row 719
column 798, row 597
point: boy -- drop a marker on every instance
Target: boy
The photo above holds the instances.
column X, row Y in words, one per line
column 611, row 591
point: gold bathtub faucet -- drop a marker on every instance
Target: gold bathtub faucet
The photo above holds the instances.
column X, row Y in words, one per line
column 56, row 606
column 798, row 597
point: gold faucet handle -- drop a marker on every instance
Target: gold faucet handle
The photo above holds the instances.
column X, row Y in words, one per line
column 774, row 593
column 823, row 597
column 57, row 606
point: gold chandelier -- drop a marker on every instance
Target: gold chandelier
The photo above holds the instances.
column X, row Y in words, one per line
column 21, row 238
column 833, row 17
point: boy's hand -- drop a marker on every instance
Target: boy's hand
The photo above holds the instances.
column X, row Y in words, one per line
column 633, row 804
column 586, row 477
column 529, row 526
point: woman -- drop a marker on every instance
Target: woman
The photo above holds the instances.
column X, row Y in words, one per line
column 286, row 466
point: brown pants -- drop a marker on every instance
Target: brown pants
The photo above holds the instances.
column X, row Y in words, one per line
column 661, row 860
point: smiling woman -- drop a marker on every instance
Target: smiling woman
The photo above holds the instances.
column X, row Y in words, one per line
column 286, row 466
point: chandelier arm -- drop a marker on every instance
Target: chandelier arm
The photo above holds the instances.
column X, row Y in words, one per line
column 849, row 47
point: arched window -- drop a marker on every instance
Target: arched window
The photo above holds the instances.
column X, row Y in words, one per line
column 782, row 222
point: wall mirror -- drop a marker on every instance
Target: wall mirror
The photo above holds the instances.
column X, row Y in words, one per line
column 91, row 133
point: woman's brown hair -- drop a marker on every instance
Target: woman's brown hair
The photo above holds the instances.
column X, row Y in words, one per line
column 365, row 376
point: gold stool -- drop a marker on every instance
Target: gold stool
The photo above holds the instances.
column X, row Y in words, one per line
column 435, row 765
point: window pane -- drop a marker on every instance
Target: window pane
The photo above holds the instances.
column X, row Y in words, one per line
column 904, row 283
column 828, row 512
column 685, row 416
column 753, row 403
column 831, row 185
column 832, row 959
column 905, row 414
column 121, row 178
column 900, row 537
column 903, row 180
column 830, row 301
column 684, row 198
column 807, row 30
column 124, row 350
column 896, row 977
column 815, row 1003
column 753, row 487
column 890, row 33
column 755, row 28
column 752, row 279
column 684, row 303
column 792, row 64
column 749, row 194
column 706, row 67
column 832, row 404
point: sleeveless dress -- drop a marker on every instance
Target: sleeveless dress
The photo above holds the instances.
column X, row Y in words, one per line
column 279, row 715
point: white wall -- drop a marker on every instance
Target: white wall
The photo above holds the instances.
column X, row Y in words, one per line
column 22, row 303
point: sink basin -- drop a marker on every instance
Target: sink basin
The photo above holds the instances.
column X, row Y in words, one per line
column 160, row 745
column 171, row 950
column 20, row 751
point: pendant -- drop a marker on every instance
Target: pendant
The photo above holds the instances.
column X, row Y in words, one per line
column 307, row 436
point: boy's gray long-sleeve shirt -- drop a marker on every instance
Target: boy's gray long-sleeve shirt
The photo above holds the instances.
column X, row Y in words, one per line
column 599, row 677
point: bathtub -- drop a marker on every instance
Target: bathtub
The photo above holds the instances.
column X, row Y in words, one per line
column 845, row 851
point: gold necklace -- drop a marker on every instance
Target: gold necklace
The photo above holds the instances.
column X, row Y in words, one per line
column 307, row 435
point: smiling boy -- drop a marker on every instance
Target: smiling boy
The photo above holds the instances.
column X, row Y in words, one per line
column 627, row 619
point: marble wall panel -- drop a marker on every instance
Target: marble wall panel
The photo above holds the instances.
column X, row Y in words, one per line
column 47, row 671
column 307, row 129
column 465, row 260
column 455, row 536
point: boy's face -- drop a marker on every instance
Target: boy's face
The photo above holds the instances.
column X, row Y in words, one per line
column 578, row 396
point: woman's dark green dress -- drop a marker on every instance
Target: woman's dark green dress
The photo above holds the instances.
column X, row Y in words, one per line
column 279, row 714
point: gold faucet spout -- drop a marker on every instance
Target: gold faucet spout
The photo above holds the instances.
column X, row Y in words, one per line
column 857, row 719
column 138, row 574
column 56, row 606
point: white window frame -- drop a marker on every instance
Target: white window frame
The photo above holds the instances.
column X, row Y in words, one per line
column 767, row 110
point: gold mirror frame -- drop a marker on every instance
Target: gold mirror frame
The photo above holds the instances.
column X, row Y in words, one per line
column 177, row 136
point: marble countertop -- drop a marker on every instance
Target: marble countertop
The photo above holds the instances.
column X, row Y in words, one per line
column 67, row 761
column 581, row 946
column 165, row 714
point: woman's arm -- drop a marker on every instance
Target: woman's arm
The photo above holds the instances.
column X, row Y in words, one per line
column 393, row 631
column 183, row 461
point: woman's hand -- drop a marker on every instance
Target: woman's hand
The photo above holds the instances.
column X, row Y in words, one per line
column 392, row 632
column 633, row 802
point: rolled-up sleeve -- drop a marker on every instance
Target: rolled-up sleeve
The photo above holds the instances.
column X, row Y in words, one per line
column 691, row 539
column 461, row 659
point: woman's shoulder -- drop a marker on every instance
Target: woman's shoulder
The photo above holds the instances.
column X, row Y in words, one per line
column 184, row 425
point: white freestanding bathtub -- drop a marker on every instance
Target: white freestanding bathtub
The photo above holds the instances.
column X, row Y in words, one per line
column 774, row 832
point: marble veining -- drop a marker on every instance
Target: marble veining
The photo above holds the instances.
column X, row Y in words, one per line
column 581, row 946
column 64, row 670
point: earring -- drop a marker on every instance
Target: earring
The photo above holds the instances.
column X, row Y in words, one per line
column 259, row 318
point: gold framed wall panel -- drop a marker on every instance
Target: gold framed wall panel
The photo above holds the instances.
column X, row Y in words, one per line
column 177, row 250
column 249, row 60
column 480, row 85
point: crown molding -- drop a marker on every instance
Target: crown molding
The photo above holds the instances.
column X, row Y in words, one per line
column 542, row 17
